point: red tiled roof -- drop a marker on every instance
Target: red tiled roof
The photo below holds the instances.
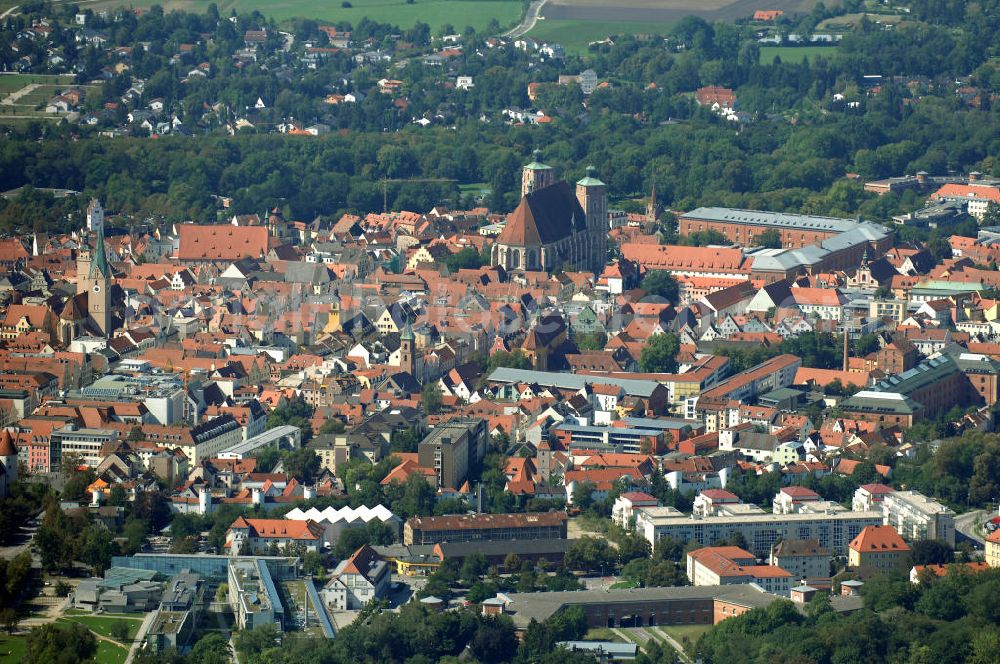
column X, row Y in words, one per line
column 221, row 242
column 878, row 538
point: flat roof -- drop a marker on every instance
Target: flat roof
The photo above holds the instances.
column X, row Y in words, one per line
column 539, row 606
column 765, row 517
column 568, row 381
column 168, row 622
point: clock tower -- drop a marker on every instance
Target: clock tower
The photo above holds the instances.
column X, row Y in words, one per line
column 99, row 281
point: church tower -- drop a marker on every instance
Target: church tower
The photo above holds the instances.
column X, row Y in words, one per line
column 535, row 176
column 593, row 197
column 100, row 280
column 653, row 208
column 407, row 362
column 84, row 258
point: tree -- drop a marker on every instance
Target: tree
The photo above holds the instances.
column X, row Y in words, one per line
column 350, row 540
column 930, row 552
column 65, row 643
column 583, row 495
column 659, row 355
column 417, row 499
column 431, row 398
column 590, row 554
column 250, row 642
column 662, row 284
column 992, row 215
column 334, row 426
column 706, row 238
column 473, row 567
column 10, row 619
column 494, row 641
column 119, row 631
column 297, row 413
column 96, row 549
column 465, row 259
column 770, row 239
column 514, row 360
column 866, row 344
column 302, row 464
column 591, row 340
column 984, row 486
column 211, row 648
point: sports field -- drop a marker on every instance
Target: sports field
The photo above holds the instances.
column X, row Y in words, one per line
column 436, row 13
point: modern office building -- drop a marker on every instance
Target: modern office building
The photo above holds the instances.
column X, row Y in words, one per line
column 453, row 448
column 253, row 595
column 84, row 442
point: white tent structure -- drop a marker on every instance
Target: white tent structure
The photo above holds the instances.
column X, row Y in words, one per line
column 335, row 521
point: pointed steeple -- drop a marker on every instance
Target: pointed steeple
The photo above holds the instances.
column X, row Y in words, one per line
column 99, row 266
column 407, row 333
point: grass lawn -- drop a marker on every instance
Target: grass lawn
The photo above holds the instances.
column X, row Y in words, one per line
column 12, row 648
column 103, row 624
column 109, row 653
column 795, row 54
column 576, row 34
column 459, row 13
column 625, row 585
column 14, row 82
column 602, row 634
column 679, row 632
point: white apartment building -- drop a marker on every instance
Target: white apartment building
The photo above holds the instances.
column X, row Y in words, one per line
column 761, row 531
column 917, row 517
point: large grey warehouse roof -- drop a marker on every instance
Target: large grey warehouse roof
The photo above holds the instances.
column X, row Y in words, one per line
column 776, row 219
column 568, row 381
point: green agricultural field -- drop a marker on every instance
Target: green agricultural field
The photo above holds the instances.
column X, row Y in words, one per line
column 12, row 648
column 436, row 13
column 795, row 54
column 575, row 34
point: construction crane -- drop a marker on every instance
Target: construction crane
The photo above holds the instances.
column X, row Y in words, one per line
column 385, row 186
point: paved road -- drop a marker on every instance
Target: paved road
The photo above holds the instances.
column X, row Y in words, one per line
column 528, row 22
column 968, row 524
column 147, row 623
column 8, row 12
column 642, row 635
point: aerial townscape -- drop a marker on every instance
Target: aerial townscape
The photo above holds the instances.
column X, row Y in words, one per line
column 542, row 332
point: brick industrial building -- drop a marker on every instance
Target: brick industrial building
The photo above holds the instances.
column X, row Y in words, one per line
column 928, row 389
column 742, row 227
column 476, row 527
